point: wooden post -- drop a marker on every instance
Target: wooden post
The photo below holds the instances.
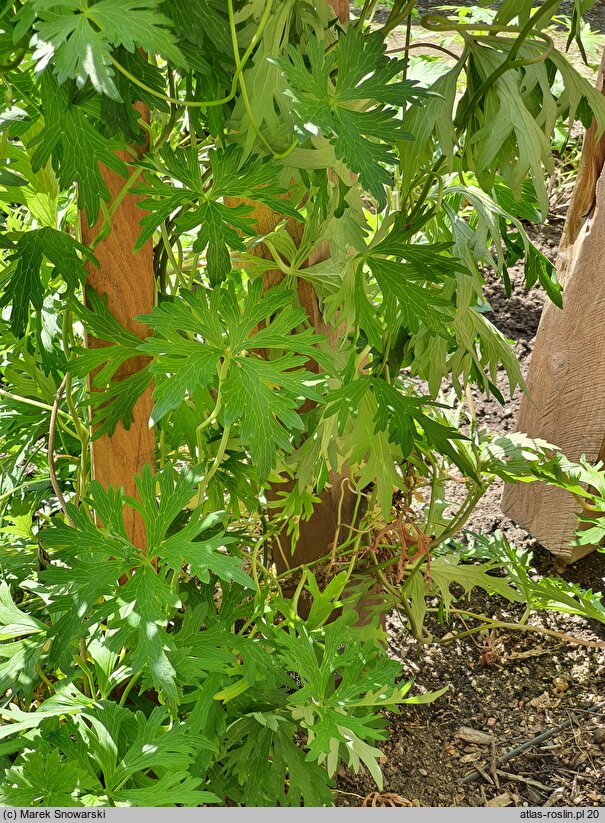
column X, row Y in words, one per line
column 128, row 281
column 317, row 533
column 566, row 377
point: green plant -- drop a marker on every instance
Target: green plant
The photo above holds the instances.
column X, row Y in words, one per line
column 194, row 671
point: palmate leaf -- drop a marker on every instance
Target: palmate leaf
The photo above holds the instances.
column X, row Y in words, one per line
column 204, row 557
column 201, row 22
column 412, row 275
column 104, row 754
column 267, row 414
column 77, row 36
column 18, row 661
column 25, row 285
column 67, row 700
column 75, row 147
column 342, row 720
column 195, row 544
column 148, row 600
column 261, row 395
column 177, row 788
column 447, row 570
column 359, row 111
column 544, row 593
column 112, row 402
column 43, row 777
column 13, row 621
column 506, row 136
column 396, row 412
column 418, row 304
column 261, row 745
column 92, row 560
column 116, row 404
column 157, row 745
column 23, row 637
column 199, row 206
column 403, row 416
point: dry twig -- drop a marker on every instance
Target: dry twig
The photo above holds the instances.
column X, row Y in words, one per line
column 523, row 747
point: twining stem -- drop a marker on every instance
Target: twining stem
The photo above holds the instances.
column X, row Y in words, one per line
column 173, row 261
column 244, row 92
column 38, row 404
column 203, row 103
column 25, row 485
column 398, row 14
column 44, row 678
column 366, row 11
column 222, row 374
column 82, row 432
column 51, row 451
column 437, row 23
column 468, row 507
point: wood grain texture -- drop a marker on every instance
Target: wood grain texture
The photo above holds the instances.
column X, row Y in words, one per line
column 128, row 281
column 566, row 377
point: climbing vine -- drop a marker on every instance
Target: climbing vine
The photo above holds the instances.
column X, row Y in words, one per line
column 323, row 203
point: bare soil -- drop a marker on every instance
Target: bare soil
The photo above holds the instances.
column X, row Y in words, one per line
column 533, row 685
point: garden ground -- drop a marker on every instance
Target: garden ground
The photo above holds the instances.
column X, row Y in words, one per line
column 505, row 688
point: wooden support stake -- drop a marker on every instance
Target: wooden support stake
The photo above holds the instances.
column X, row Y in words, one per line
column 128, row 281
column 566, row 377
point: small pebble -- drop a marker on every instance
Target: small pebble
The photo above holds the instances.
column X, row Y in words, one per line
column 599, row 736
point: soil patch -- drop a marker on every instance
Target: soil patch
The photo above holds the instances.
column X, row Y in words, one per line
column 532, row 684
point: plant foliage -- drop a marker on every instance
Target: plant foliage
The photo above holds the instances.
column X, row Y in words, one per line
column 322, row 213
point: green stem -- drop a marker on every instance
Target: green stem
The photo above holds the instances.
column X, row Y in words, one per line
column 131, row 684
column 222, row 448
column 222, row 374
column 521, row 627
column 366, row 11
column 12, row 64
column 464, row 513
column 25, row 485
column 39, row 405
column 83, row 436
column 44, row 678
column 408, row 39
column 244, row 92
column 438, row 23
column 398, row 14
column 202, row 103
column 173, row 261
column 428, row 525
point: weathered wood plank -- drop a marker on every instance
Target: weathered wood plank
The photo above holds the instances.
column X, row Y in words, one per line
column 566, row 377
